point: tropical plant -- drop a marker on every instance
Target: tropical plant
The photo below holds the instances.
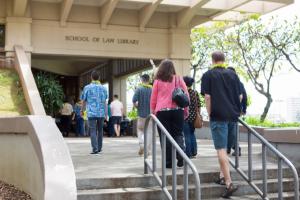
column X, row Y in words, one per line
column 51, row 92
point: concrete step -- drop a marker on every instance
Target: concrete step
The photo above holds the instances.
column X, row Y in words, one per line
column 149, row 181
column 209, row 191
column 271, row 196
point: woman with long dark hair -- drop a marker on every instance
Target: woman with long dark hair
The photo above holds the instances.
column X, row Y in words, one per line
column 169, row 114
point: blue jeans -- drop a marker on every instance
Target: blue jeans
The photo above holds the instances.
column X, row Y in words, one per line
column 223, row 133
column 190, row 139
column 79, row 126
column 96, row 132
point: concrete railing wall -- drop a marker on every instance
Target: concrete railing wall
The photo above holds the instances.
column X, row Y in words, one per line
column 35, row 158
column 32, row 95
column 33, row 154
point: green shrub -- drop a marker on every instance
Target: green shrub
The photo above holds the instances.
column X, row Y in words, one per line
column 255, row 121
column 132, row 115
column 51, row 92
column 12, row 100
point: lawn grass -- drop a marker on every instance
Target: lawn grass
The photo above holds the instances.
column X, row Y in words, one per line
column 12, row 101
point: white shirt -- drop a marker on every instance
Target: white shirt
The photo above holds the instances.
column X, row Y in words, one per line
column 67, row 109
column 116, row 108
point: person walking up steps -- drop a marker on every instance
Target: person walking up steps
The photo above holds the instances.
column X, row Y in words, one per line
column 167, row 111
column 188, row 128
column 94, row 96
column 221, row 88
column 141, row 100
column 116, row 108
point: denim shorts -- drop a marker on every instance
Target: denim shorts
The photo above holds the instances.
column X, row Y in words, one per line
column 223, row 133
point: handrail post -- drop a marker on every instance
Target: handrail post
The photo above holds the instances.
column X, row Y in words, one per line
column 264, row 167
column 174, row 177
column 237, row 150
column 250, row 172
column 145, row 148
column 163, row 159
column 186, row 182
column 154, row 146
column 279, row 174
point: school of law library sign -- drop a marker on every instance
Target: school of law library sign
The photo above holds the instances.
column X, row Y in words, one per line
column 100, row 40
column 118, row 42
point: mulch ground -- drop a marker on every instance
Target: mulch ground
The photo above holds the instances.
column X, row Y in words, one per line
column 9, row 192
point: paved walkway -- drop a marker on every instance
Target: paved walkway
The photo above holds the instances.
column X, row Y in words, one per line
column 119, row 157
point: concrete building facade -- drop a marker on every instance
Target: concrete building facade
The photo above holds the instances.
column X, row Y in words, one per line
column 69, row 37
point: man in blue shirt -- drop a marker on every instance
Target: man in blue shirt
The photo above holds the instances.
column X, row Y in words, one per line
column 94, row 96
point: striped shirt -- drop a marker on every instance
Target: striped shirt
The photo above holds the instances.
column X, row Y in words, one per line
column 142, row 96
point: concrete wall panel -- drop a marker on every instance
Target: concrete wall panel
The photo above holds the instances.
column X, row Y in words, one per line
column 88, row 14
column 125, row 17
column 2, row 8
column 51, row 38
column 45, row 11
column 35, row 158
column 19, row 164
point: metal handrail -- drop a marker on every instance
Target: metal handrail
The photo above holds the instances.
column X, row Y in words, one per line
column 281, row 158
column 175, row 149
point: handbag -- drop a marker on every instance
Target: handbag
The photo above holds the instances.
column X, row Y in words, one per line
column 179, row 97
column 198, row 122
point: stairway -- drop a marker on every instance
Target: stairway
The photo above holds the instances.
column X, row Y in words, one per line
column 144, row 187
column 137, row 186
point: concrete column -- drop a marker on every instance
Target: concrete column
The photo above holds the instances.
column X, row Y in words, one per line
column 18, row 32
column 180, row 50
column 182, row 66
column 119, row 87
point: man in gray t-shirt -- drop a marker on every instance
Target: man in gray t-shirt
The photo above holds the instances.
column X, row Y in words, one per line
column 141, row 100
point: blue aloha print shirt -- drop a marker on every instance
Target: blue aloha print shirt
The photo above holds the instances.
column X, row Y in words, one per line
column 95, row 96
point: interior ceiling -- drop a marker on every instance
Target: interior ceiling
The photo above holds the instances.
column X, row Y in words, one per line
column 65, row 65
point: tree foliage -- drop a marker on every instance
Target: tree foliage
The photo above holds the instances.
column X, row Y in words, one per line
column 257, row 48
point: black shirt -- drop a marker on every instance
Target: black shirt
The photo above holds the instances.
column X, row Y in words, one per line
column 223, row 85
column 244, row 100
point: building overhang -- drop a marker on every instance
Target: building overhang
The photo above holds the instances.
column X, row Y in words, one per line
column 184, row 13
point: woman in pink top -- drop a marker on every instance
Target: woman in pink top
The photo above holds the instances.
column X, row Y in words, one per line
column 168, row 113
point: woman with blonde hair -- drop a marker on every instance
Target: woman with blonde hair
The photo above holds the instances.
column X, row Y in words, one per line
column 167, row 111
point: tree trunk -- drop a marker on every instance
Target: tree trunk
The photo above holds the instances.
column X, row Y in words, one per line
column 267, row 108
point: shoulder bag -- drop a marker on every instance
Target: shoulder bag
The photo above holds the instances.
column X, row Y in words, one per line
column 198, row 123
column 179, row 97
